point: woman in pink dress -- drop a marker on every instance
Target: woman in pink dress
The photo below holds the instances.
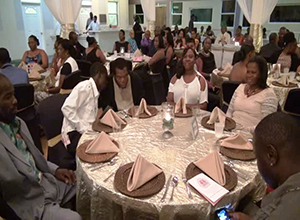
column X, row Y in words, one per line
column 253, row 100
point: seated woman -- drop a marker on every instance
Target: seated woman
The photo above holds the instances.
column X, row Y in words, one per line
column 35, row 55
column 132, row 42
column 209, row 33
column 56, row 61
column 288, row 57
column 206, row 62
column 188, row 83
column 124, row 88
column 180, row 39
column 122, row 43
column 253, row 101
column 160, row 50
column 169, row 42
column 239, row 70
column 93, row 52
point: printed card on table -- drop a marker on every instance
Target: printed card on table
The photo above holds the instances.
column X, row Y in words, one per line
column 209, row 189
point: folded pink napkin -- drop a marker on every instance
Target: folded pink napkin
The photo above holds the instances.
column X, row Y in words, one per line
column 217, row 115
column 284, row 80
column 237, row 141
column 34, row 74
column 180, row 105
column 143, row 108
column 102, row 144
column 141, row 172
column 138, row 59
column 112, row 119
column 213, row 166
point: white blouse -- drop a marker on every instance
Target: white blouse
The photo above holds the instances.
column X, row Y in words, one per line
column 73, row 65
column 190, row 91
column 249, row 111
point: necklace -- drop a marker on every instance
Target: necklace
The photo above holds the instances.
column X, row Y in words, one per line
column 250, row 91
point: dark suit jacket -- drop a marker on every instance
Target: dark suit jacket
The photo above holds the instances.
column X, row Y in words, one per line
column 107, row 97
column 80, row 51
column 268, row 50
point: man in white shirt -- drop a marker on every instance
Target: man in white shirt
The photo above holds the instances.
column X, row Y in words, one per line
column 223, row 37
column 81, row 107
column 94, row 25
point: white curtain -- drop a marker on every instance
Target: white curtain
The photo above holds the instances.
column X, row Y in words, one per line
column 65, row 12
column 149, row 9
column 257, row 11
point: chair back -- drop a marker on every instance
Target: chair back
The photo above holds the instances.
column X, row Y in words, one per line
column 228, row 88
column 85, row 67
column 158, row 67
column 51, row 115
column 24, row 94
column 72, row 80
column 292, row 103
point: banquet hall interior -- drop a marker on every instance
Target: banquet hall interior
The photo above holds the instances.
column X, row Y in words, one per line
column 149, row 109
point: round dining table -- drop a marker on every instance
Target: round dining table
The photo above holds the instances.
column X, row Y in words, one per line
column 97, row 199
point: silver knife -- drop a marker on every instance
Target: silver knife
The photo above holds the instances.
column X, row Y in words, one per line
column 167, row 188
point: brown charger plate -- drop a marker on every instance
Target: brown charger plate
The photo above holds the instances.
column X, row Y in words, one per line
column 237, row 154
column 98, row 126
column 151, row 109
column 229, row 124
column 187, row 115
column 36, row 79
column 231, row 176
column 94, row 158
column 290, row 85
column 148, row 189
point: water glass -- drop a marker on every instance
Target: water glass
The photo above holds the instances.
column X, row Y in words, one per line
column 292, row 75
column 219, row 127
column 115, row 53
column 286, row 70
column 122, row 50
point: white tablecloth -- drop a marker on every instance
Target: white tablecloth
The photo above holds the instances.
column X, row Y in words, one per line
column 99, row 200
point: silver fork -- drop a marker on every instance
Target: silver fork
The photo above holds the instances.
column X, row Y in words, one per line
column 109, row 163
column 187, row 186
column 110, row 175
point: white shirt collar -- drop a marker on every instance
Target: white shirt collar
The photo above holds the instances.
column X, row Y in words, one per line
column 94, row 87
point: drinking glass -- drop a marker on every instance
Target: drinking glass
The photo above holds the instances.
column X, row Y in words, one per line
column 286, row 70
column 292, row 75
column 219, row 127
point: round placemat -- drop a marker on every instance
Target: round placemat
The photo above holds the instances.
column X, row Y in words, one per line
column 290, row 85
column 231, row 176
column 94, row 158
column 187, row 115
column 98, row 126
column 148, row 189
column 229, row 124
column 237, row 154
column 151, row 109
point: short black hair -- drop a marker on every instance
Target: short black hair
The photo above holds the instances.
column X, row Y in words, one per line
column 288, row 38
column 263, row 70
column 98, row 68
column 90, row 40
column 122, row 31
column 71, row 34
column 239, row 27
column 35, row 39
column 190, row 40
column 272, row 37
column 207, row 38
column 170, row 39
column 192, row 15
column 95, row 16
column 245, row 49
column 279, row 130
column 168, row 29
column 4, row 56
column 119, row 63
column 160, row 41
column 68, row 46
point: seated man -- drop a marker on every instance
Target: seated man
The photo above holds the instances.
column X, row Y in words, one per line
column 81, row 107
column 124, row 88
column 223, row 37
column 276, row 139
column 79, row 49
column 268, row 50
column 31, row 186
column 14, row 74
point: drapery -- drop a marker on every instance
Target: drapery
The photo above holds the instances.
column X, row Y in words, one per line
column 66, row 13
column 149, row 12
column 257, row 12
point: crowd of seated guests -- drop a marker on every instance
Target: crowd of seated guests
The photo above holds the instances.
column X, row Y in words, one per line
column 93, row 52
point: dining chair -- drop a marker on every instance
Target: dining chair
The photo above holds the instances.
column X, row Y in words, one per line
column 292, row 103
column 228, row 89
column 85, row 67
column 70, row 82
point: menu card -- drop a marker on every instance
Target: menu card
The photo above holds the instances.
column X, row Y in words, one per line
column 208, row 188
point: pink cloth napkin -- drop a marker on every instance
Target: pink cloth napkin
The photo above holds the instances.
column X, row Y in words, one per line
column 102, row 144
column 34, row 74
column 213, row 166
column 141, row 172
column 137, row 59
column 143, row 108
column 112, row 119
column 284, row 80
column 217, row 115
column 237, row 141
column 181, row 105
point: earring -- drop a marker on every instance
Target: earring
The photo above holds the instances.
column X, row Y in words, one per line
column 271, row 164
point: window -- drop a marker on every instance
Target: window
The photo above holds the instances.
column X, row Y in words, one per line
column 202, row 14
column 176, row 13
column 227, row 13
column 245, row 22
column 289, row 13
column 113, row 13
column 139, row 13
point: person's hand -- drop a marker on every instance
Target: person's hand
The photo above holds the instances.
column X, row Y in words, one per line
column 238, row 216
column 66, row 176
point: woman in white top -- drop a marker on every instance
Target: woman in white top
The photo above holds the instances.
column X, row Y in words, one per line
column 188, row 83
column 253, row 101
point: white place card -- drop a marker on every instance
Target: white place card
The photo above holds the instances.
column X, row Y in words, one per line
column 194, row 128
column 208, row 188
